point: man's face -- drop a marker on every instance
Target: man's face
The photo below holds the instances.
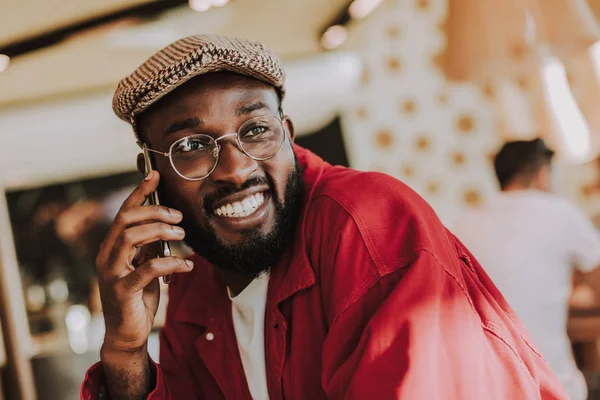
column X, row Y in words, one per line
column 217, row 104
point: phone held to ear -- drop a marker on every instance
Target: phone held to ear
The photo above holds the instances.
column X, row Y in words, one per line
column 153, row 200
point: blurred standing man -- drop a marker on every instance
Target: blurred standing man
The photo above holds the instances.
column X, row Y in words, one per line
column 530, row 241
column 308, row 281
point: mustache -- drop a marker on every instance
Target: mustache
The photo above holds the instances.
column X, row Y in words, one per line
column 225, row 189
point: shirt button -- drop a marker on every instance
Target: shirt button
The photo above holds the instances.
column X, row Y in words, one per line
column 210, row 336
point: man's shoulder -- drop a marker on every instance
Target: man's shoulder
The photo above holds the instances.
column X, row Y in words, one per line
column 552, row 206
column 356, row 191
column 390, row 218
column 365, row 194
column 551, row 199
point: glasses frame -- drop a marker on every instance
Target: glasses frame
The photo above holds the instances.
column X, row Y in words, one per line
column 217, row 152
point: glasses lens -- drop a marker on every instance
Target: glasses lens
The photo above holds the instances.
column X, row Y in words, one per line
column 262, row 137
column 195, row 156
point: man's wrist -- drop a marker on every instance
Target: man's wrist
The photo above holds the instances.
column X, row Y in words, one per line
column 113, row 344
column 127, row 373
column 113, row 351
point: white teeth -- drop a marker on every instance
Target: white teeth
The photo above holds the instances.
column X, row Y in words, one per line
column 237, row 207
column 247, row 205
column 241, row 208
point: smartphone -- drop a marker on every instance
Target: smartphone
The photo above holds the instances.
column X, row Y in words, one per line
column 165, row 248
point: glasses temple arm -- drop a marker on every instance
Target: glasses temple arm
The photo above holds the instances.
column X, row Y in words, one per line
column 157, row 152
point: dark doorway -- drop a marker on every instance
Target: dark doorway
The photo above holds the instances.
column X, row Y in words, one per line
column 327, row 143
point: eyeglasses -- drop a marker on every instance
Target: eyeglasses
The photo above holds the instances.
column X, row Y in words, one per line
column 195, row 157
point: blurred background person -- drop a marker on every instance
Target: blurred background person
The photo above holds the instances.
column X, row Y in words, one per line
column 530, row 241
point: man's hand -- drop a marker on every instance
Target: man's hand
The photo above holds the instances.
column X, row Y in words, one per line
column 128, row 273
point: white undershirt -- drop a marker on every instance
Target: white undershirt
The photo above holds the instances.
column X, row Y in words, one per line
column 248, row 310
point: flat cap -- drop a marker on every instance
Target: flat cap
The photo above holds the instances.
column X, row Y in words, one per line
column 189, row 57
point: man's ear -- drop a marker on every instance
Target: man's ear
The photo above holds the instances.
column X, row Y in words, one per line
column 141, row 165
column 290, row 128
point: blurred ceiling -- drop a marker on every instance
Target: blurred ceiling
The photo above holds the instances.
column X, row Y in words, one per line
column 124, row 33
column 23, row 19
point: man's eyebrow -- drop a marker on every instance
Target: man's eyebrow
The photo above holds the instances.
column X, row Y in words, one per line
column 248, row 108
column 189, row 123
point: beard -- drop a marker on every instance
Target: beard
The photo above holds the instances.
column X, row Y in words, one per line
column 257, row 252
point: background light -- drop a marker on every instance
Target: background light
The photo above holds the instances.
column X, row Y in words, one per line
column 200, row 5
column 334, row 36
column 361, row 8
column 4, row 62
column 58, row 290
column 219, row 3
column 77, row 320
column 571, row 126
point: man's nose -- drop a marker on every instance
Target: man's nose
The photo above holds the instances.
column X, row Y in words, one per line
column 234, row 165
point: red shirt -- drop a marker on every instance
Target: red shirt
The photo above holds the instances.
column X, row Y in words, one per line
column 375, row 299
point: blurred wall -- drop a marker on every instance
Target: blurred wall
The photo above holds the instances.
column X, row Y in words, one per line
column 409, row 122
column 66, row 139
column 581, row 183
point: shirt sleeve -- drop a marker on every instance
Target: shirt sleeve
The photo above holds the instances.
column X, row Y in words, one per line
column 414, row 335
column 584, row 239
column 93, row 386
column 412, row 329
column 173, row 380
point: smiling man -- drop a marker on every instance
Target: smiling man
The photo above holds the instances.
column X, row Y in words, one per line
column 308, row 281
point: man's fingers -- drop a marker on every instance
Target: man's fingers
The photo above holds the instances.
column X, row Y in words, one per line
column 150, row 213
column 134, row 216
column 141, row 235
column 141, row 277
column 136, row 237
column 144, row 189
column 136, row 198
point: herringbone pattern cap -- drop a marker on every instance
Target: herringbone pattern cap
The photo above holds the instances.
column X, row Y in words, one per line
column 189, row 57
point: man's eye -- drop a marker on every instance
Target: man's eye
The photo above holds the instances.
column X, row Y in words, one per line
column 255, row 131
column 190, row 145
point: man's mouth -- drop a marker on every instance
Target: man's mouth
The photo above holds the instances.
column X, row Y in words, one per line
column 241, row 208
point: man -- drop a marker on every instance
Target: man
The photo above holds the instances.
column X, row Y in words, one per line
column 529, row 242
column 308, row 281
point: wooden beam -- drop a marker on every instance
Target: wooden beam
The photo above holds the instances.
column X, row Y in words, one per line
column 58, row 35
column 14, row 321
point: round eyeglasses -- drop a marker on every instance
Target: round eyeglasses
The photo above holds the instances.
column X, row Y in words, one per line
column 195, row 157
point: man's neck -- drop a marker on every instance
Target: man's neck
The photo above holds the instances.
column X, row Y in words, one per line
column 517, row 187
column 235, row 281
